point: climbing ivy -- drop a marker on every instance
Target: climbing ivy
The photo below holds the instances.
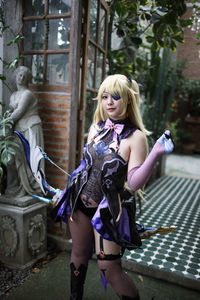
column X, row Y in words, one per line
column 8, row 146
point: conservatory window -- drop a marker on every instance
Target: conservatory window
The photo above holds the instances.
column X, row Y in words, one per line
column 96, row 54
column 46, row 45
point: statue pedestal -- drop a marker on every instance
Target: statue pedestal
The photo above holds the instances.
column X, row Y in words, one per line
column 23, row 238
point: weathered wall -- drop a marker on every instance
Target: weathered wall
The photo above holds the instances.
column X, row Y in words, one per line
column 190, row 51
column 54, row 109
column 12, row 17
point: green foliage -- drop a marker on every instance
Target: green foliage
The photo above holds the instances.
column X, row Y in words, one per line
column 183, row 135
column 7, row 144
column 165, row 89
column 173, row 127
column 15, row 40
column 149, row 31
column 158, row 88
column 152, row 24
column 187, row 91
column 192, row 95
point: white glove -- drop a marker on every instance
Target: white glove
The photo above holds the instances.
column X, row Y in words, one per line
column 166, row 141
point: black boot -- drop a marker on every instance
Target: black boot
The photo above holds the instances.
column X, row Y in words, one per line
column 130, row 298
column 77, row 281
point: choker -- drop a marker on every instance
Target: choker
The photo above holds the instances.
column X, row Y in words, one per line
column 123, row 121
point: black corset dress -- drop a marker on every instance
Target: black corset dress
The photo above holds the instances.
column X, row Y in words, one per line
column 101, row 177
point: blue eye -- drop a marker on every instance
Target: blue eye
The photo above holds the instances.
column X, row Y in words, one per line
column 116, row 97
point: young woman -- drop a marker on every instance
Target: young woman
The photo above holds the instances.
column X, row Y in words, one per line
column 96, row 202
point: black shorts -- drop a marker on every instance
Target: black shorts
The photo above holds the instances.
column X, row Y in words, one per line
column 88, row 211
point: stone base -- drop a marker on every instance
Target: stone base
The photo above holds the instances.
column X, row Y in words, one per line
column 18, row 201
column 23, row 234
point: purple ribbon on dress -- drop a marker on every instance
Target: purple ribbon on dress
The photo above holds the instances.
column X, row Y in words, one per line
column 117, row 128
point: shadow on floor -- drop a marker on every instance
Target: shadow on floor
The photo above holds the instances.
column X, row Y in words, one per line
column 52, row 282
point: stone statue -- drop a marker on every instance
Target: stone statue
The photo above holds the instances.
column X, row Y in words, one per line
column 23, row 105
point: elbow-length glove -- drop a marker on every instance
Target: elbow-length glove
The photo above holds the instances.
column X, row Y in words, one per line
column 139, row 175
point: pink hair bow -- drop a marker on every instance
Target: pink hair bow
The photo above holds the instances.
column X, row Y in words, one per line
column 112, row 126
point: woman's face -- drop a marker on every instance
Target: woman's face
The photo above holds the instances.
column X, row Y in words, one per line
column 113, row 105
column 21, row 77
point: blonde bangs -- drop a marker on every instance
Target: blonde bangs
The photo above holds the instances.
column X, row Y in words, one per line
column 115, row 86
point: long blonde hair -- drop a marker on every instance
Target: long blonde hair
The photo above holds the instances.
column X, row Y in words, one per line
column 129, row 91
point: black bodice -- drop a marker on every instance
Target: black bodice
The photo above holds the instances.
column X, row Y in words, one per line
column 102, row 154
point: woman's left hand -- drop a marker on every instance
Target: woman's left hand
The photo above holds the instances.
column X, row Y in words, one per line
column 166, row 141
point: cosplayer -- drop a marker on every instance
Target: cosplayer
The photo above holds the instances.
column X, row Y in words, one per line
column 96, row 203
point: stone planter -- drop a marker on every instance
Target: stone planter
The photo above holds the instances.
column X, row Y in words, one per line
column 23, row 237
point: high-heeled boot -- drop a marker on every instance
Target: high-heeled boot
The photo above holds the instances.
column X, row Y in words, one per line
column 130, row 298
column 77, row 281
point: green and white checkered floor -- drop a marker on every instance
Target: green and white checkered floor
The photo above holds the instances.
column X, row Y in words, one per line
column 171, row 201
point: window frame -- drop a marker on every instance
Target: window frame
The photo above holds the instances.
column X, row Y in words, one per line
column 45, row 86
column 84, row 88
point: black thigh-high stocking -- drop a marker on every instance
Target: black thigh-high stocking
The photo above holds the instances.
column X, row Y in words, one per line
column 82, row 237
column 109, row 262
column 119, row 280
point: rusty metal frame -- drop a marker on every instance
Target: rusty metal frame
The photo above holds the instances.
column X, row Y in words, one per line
column 74, row 70
column 45, row 51
column 84, row 88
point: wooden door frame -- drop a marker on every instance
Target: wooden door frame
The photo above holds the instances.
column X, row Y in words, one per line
column 75, row 57
column 83, row 87
column 72, row 87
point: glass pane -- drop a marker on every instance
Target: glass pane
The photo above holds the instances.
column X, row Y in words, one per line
column 93, row 19
column 57, row 69
column 99, row 69
column 89, row 110
column 102, row 25
column 59, row 6
column 33, row 7
column 33, row 35
column 90, row 67
column 35, row 63
column 59, row 34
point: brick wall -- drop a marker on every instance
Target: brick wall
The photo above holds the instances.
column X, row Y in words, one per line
column 190, row 51
column 54, row 110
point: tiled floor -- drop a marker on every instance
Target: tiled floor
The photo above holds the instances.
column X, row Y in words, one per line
column 172, row 201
